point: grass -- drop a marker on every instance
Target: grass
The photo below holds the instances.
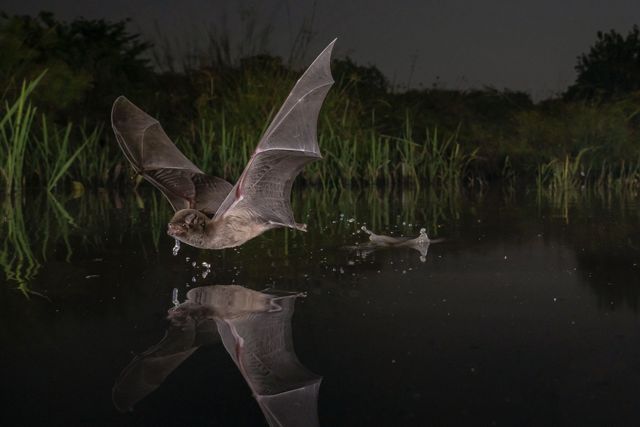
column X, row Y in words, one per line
column 15, row 133
column 575, row 173
column 597, row 147
column 43, row 154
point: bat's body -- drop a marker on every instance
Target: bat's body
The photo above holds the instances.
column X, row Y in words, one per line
column 217, row 233
column 255, row 328
column 210, row 212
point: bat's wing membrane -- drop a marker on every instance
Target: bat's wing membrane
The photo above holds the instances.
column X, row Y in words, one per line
column 153, row 155
column 288, row 144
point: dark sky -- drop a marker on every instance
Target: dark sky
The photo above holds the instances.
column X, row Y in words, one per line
column 530, row 46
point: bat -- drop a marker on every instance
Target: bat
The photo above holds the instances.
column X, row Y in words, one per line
column 210, row 213
column 255, row 329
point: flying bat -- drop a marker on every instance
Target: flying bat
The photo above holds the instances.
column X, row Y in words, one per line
column 210, row 212
column 255, row 328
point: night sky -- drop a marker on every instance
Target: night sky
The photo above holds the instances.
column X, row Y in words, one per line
column 530, row 46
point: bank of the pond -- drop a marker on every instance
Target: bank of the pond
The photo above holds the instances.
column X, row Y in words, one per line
column 55, row 130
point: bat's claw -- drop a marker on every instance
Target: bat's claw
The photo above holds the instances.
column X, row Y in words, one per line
column 301, row 227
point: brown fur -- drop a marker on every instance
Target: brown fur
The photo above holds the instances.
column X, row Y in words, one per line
column 195, row 229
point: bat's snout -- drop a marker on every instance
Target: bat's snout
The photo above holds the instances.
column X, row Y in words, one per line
column 176, row 229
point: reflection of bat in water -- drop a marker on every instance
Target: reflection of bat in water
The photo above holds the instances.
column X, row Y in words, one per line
column 420, row 243
column 255, row 328
column 260, row 200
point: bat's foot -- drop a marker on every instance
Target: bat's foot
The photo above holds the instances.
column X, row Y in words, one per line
column 301, row 227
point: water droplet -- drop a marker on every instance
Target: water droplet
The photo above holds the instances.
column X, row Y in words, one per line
column 176, row 248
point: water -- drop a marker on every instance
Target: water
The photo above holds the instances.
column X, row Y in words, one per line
column 527, row 313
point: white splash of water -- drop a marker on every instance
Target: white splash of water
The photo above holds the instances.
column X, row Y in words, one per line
column 207, row 269
column 176, row 248
column 174, row 297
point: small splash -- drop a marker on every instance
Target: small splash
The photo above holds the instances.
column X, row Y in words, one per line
column 176, row 248
column 207, row 269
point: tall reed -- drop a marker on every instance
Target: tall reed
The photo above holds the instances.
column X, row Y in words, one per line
column 29, row 156
column 576, row 173
column 15, row 134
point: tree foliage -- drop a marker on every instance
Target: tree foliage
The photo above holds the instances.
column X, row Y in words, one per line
column 88, row 62
column 611, row 69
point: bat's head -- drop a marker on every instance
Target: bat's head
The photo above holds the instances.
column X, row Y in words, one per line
column 188, row 225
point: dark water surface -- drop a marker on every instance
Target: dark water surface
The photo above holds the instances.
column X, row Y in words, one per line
column 526, row 315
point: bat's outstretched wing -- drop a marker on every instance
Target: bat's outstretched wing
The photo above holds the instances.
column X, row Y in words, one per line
column 148, row 370
column 261, row 345
column 153, row 155
column 288, row 144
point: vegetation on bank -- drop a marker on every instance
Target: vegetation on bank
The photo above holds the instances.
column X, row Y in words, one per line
column 58, row 81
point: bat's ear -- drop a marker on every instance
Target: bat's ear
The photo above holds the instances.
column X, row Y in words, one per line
column 190, row 218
